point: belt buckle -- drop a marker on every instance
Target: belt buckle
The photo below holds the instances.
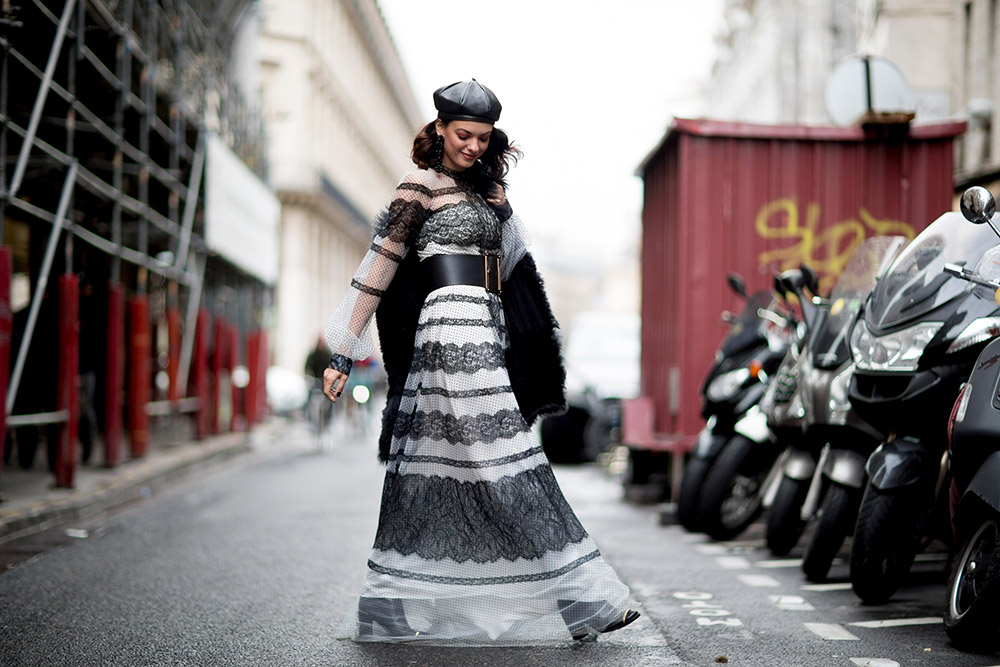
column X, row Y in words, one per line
column 491, row 270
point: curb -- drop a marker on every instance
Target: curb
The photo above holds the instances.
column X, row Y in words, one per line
column 131, row 481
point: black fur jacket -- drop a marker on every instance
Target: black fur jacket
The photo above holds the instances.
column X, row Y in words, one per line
column 534, row 356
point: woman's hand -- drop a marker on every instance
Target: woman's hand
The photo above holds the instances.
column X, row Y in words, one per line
column 333, row 383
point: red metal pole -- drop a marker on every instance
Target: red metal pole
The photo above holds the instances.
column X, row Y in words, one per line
column 199, row 373
column 69, row 367
column 115, row 376
column 262, row 361
column 219, row 355
column 235, row 392
column 6, row 322
column 173, row 353
column 139, row 343
column 253, row 367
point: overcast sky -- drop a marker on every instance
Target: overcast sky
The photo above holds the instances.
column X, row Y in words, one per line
column 588, row 88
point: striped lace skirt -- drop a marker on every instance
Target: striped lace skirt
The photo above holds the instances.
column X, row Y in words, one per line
column 476, row 543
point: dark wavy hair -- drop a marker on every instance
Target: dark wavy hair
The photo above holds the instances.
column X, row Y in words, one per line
column 489, row 169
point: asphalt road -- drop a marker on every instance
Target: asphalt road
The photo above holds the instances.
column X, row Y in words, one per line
column 257, row 560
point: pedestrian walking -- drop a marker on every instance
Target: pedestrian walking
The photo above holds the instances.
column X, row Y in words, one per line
column 317, row 361
column 476, row 543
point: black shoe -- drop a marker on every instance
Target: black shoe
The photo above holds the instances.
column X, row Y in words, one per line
column 386, row 612
column 583, row 618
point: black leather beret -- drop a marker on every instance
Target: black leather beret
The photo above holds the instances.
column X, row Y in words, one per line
column 467, row 100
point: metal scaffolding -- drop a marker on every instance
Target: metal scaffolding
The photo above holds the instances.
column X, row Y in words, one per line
column 104, row 110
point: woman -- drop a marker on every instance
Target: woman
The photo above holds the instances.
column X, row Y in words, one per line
column 475, row 542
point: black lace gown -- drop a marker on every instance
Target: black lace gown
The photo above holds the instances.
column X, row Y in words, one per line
column 475, row 542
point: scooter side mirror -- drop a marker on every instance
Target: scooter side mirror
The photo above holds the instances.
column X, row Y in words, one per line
column 810, row 279
column 978, row 205
column 792, row 279
column 780, row 286
column 736, row 284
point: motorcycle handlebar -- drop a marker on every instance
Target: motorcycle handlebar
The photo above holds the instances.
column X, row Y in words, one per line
column 959, row 271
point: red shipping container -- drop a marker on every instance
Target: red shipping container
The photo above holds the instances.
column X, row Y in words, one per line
column 757, row 199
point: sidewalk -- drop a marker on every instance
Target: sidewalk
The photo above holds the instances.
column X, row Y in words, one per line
column 29, row 501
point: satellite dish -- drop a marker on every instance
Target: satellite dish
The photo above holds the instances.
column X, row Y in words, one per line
column 860, row 83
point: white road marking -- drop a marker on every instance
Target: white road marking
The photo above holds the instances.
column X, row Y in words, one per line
column 831, row 631
column 775, row 564
column 874, row 662
column 743, row 544
column 898, row 622
column 733, row 563
column 930, row 558
column 711, row 549
column 759, row 580
column 706, row 612
column 791, row 603
column 823, row 588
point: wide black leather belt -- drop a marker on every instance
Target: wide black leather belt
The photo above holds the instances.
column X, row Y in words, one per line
column 479, row 270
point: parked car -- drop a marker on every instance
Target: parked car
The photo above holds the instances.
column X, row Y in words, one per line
column 602, row 367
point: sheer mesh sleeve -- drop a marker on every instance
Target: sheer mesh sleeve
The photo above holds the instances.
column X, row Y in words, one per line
column 514, row 242
column 348, row 329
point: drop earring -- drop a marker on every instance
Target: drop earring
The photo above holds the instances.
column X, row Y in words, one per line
column 437, row 155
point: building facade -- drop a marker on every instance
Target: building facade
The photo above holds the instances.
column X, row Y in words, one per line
column 974, row 94
column 774, row 57
column 342, row 118
column 129, row 152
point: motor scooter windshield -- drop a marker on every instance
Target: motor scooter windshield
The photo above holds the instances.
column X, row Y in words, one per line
column 872, row 257
column 747, row 329
column 916, row 283
column 988, row 268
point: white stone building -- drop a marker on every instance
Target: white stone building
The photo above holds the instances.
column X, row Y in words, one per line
column 774, row 57
column 917, row 36
column 947, row 49
column 971, row 54
column 342, row 117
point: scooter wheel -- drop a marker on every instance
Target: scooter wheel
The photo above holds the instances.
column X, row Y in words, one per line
column 690, row 492
column 885, row 543
column 731, row 496
column 837, row 515
column 784, row 518
column 971, row 615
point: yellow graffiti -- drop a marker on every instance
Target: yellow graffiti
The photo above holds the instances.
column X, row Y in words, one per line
column 827, row 250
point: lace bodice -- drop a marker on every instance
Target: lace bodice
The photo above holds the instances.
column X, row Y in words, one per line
column 433, row 213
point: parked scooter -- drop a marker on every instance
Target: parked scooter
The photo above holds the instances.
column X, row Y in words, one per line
column 733, row 492
column 783, row 406
column 835, row 491
column 916, row 342
column 825, row 450
column 746, row 359
column 972, row 610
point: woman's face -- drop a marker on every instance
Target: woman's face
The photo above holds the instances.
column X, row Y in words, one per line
column 464, row 142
